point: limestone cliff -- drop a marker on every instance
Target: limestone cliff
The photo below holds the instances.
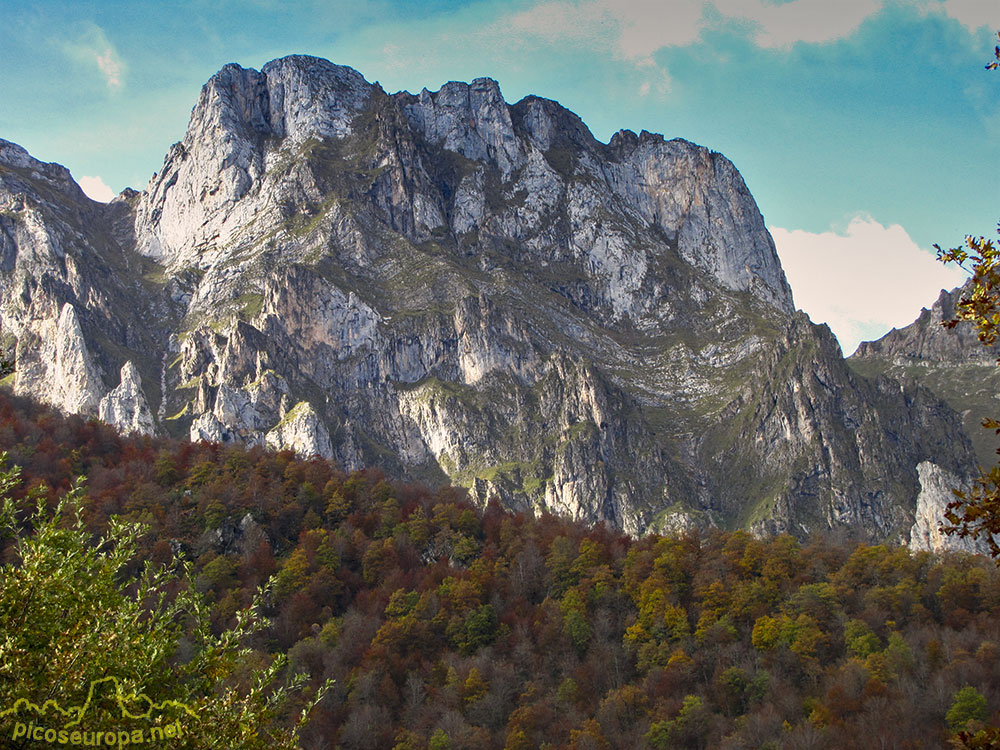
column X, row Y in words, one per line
column 125, row 406
column 936, row 491
column 76, row 300
column 457, row 288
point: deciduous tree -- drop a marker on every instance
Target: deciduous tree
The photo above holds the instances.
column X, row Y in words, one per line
column 75, row 621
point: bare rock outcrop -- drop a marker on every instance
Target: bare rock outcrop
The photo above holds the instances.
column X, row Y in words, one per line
column 125, row 406
column 927, row 533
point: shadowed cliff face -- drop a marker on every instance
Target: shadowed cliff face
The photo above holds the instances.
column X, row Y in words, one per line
column 951, row 363
column 459, row 289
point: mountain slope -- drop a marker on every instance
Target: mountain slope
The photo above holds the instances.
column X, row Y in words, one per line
column 504, row 630
column 953, row 364
column 456, row 288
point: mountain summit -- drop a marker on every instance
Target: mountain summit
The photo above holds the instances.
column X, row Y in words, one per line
column 456, row 288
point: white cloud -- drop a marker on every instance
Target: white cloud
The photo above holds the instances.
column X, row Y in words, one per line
column 649, row 25
column 655, row 78
column 812, row 21
column 862, row 282
column 636, row 29
column 92, row 47
column 629, row 29
column 633, row 29
column 95, row 189
column 559, row 20
column 974, row 14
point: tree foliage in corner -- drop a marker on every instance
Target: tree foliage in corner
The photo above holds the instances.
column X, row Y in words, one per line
column 976, row 513
column 92, row 640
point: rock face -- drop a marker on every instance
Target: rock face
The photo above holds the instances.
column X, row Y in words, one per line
column 302, row 431
column 951, row 363
column 927, row 340
column 74, row 294
column 936, row 487
column 956, row 367
column 125, row 407
column 456, row 288
column 56, row 364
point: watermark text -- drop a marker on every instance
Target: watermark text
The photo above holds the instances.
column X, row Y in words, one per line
column 78, row 737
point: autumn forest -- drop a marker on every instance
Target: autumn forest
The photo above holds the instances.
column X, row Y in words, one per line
column 442, row 625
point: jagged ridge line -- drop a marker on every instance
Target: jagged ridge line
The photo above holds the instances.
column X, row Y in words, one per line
column 80, row 711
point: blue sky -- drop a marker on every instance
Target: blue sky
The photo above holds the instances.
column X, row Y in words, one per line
column 867, row 130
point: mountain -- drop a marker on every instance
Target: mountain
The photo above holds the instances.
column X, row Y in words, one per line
column 953, row 364
column 455, row 288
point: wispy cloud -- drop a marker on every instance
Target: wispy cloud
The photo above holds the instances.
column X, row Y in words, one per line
column 91, row 46
column 111, row 66
column 810, row 21
column 864, row 281
column 636, row 29
column 973, row 14
column 629, row 29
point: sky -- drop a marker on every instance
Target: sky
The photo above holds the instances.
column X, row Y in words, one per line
column 867, row 130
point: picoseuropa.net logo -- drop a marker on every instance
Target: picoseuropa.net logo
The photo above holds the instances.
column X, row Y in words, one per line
column 69, row 729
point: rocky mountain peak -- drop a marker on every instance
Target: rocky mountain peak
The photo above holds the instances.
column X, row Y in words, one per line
column 125, row 407
column 15, row 156
column 313, row 98
column 623, row 143
column 459, row 289
column 20, row 167
column 247, row 125
column 295, row 97
column 469, row 119
column 927, row 339
column 952, row 363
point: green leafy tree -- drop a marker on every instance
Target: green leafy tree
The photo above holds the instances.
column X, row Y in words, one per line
column 976, row 512
column 859, row 639
column 77, row 620
column 686, row 730
column 439, row 740
column 575, row 620
column 967, row 705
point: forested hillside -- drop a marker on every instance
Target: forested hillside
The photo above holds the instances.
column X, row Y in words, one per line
column 447, row 626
